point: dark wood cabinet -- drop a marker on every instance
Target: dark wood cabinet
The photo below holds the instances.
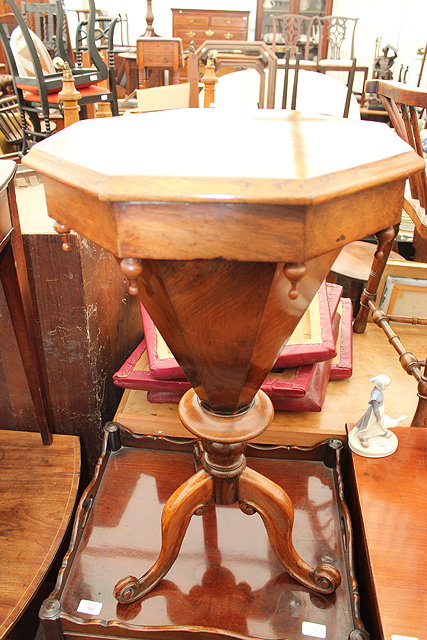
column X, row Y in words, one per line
column 198, row 25
column 266, row 9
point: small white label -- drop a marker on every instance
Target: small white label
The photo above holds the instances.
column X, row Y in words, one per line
column 313, row 629
column 91, row 607
column 398, row 637
column 104, row 97
column 93, row 77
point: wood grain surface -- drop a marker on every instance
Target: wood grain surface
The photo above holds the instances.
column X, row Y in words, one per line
column 391, row 495
column 115, row 170
column 295, row 204
column 38, row 487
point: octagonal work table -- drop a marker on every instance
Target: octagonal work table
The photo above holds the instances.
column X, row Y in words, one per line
column 225, row 232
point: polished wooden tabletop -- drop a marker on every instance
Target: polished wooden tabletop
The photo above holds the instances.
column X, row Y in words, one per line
column 391, row 493
column 38, row 488
column 228, row 156
column 267, row 186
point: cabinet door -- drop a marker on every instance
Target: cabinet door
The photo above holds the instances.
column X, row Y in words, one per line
column 266, row 9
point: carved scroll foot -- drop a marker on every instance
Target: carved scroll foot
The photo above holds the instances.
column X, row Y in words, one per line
column 192, row 497
column 258, row 494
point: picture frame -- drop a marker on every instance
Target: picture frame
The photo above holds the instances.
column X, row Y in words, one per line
column 403, row 288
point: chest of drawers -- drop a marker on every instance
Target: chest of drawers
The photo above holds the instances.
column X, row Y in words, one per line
column 199, row 25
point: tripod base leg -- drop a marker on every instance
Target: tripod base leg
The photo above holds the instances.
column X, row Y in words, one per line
column 192, row 497
column 259, row 494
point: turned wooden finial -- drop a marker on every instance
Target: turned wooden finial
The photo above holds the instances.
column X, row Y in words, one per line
column 209, row 79
column 131, row 268
column 69, row 97
column 294, row 271
column 63, row 232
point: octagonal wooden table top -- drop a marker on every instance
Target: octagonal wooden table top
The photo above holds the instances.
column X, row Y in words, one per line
column 223, row 156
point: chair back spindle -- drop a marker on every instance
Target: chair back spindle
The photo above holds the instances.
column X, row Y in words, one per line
column 401, row 103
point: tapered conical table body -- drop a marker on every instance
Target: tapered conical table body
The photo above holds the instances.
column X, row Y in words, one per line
column 225, row 232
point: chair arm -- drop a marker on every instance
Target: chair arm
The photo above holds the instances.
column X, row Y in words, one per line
column 418, row 217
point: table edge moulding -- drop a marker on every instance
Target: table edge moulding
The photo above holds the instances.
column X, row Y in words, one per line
column 225, row 259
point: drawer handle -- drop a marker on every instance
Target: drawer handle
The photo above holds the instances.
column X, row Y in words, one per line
column 228, row 35
column 209, row 32
column 191, row 34
column 229, row 21
column 191, row 19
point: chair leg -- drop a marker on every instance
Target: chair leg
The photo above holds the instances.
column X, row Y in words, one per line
column 385, row 239
column 18, row 301
column 114, row 107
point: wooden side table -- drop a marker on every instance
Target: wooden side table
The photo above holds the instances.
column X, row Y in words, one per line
column 38, row 490
column 391, row 532
column 160, row 54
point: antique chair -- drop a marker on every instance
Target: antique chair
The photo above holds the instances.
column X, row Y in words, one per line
column 95, row 49
column 317, row 92
column 294, row 88
column 402, row 104
column 10, row 126
column 42, row 18
column 336, row 39
column 32, row 43
column 236, row 55
column 294, row 33
column 37, row 91
column 336, row 46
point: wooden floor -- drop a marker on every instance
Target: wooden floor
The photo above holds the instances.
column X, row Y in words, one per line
column 345, row 402
column 38, row 488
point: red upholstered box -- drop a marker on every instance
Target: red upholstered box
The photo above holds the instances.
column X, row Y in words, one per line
column 300, row 388
column 295, row 389
column 342, row 364
column 334, row 293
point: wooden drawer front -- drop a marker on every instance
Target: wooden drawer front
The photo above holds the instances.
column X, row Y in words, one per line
column 154, row 59
column 199, row 35
column 195, row 20
column 188, row 34
column 5, row 221
column 227, row 22
column 158, row 47
column 229, row 34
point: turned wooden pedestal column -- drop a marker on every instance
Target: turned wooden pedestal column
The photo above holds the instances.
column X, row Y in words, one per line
column 225, row 235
